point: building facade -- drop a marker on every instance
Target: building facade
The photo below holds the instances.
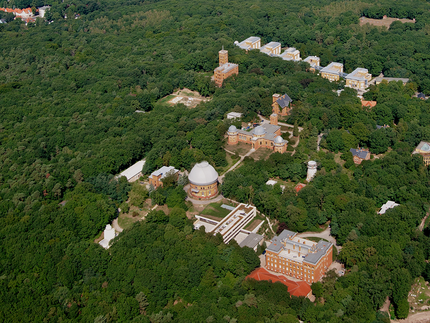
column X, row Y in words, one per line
column 155, row 179
column 273, row 48
column 423, row 149
column 266, row 136
column 203, row 181
column 291, row 54
column 313, row 61
column 358, row 79
column 332, row 72
column 281, row 104
column 299, row 258
column 225, row 69
column 249, row 43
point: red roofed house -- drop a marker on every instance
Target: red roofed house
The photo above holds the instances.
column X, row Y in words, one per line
column 21, row 13
column 369, row 104
column 296, row 288
column 299, row 186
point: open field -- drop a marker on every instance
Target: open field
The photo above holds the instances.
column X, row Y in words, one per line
column 261, row 153
column 385, row 22
column 241, row 148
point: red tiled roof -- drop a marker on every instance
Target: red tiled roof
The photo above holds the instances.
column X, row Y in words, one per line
column 369, row 104
column 299, row 187
column 299, row 288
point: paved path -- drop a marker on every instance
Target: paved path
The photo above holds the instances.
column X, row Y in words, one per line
column 116, row 226
column 318, row 141
column 235, row 165
column 325, row 235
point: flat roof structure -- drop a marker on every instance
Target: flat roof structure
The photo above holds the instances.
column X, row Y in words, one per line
column 389, row 205
column 251, row 241
column 359, row 74
column 289, row 54
column 227, row 67
column 165, row 170
column 390, row 79
column 133, row 171
column 233, row 115
column 312, row 60
column 333, row 68
column 249, row 43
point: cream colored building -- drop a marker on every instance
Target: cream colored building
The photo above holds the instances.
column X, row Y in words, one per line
column 332, row 72
column 313, row 61
column 358, row 79
column 423, row 149
column 249, row 43
column 273, row 48
column 290, row 54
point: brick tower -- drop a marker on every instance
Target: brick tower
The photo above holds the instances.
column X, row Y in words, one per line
column 223, row 56
column 274, row 119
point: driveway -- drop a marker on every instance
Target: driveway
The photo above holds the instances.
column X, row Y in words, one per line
column 325, row 235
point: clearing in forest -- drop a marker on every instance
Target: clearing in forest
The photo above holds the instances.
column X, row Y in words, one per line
column 187, row 97
column 384, row 22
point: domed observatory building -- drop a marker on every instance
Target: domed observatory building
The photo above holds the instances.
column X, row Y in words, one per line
column 203, row 181
column 263, row 136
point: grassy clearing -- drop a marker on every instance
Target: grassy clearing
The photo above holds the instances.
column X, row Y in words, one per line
column 215, row 210
column 126, row 222
column 166, row 99
column 261, row 153
column 239, row 149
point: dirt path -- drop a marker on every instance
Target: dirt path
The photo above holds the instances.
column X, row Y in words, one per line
column 116, row 226
column 423, row 222
column 423, row 317
column 280, row 123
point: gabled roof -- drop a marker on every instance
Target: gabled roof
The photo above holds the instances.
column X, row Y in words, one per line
column 164, row 170
column 369, row 104
column 295, row 288
column 360, row 153
column 284, row 101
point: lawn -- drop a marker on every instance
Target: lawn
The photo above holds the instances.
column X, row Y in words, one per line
column 166, row 98
column 261, row 153
column 240, row 149
column 215, row 210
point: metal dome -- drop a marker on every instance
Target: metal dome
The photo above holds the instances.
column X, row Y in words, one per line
column 203, row 174
column 259, row 131
column 232, row 128
column 279, row 140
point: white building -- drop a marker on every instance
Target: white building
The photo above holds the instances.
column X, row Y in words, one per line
column 234, row 115
column 42, row 10
column 108, row 235
column 312, row 170
column 389, row 205
column 133, row 172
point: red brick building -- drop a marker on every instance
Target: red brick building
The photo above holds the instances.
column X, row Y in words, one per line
column 225, row 69
column 299, row 258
